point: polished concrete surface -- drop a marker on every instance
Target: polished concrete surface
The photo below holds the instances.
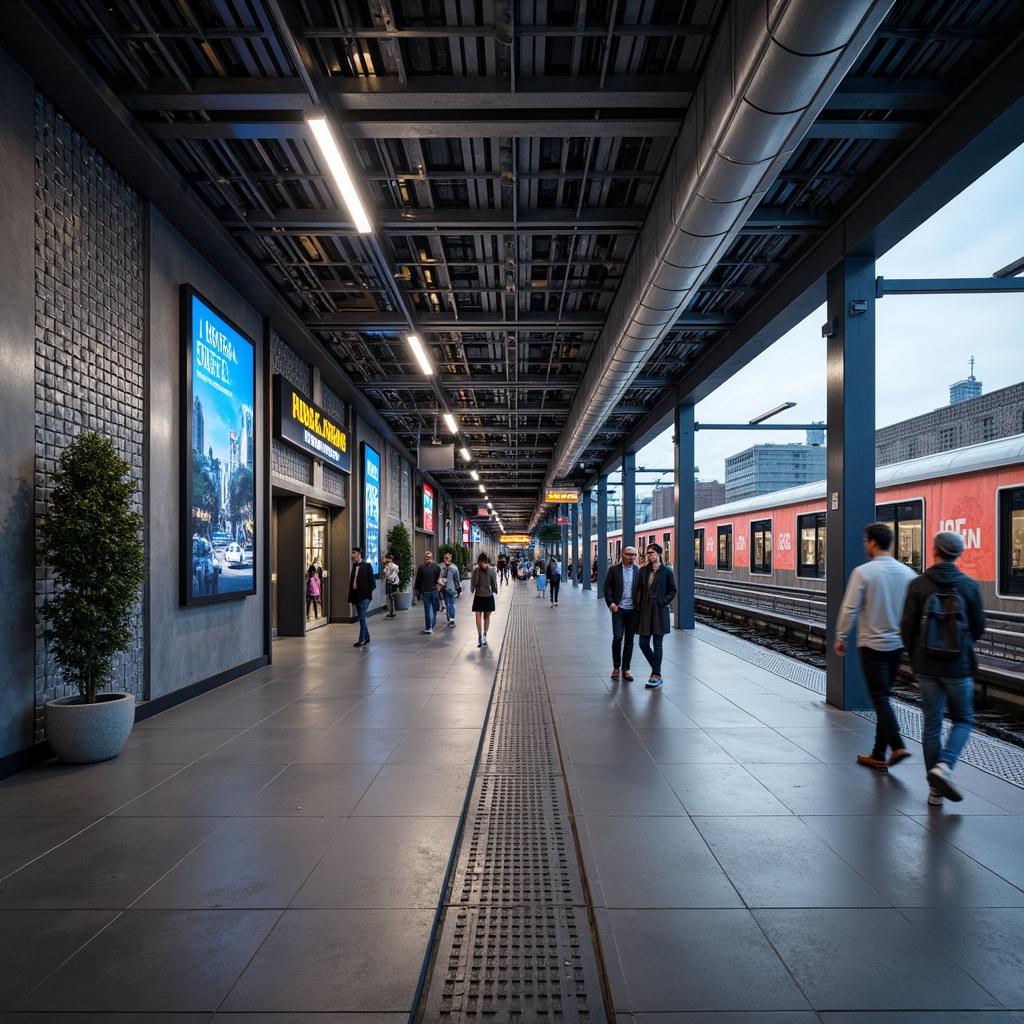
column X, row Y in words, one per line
column 274, row 851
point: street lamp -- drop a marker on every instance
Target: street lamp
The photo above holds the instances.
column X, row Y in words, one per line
column 773, row 412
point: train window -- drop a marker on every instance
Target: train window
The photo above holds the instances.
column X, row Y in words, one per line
column 907, row 521
column 811, row 531
column 725, row 547
column 698, row 548
column 1010, row 558
column 761, row 539
column 666, row 543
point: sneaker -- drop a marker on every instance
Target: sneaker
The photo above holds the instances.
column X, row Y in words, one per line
column 483, row 637
column 872, row 762
column 451, row 623
column 479, row 641
column 428, row 631
column 653, row 683
column 898, row 755
column 358, row 643
column 939, row 778
column 934, row 797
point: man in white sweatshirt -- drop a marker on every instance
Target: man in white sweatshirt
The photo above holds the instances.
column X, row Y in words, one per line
column 873, row 603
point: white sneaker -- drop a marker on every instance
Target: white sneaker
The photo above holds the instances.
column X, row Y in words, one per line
column 934, row 797
column 451, row 623
column 483, row 639
column 940, row 778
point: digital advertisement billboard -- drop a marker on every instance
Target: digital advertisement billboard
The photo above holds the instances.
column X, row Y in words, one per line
column 371, row 506
column 218, row 455
column 428, row 508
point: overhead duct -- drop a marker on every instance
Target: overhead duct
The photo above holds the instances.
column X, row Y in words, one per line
column 771, row 70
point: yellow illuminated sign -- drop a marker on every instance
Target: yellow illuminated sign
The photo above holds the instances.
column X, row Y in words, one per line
column 569, row 496
column 515, row 539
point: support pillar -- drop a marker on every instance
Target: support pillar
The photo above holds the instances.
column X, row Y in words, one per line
column 629, row 498
column 585, row 554
column 684, row 513
column 602, row 530
column 574, row 530
column 850, row 496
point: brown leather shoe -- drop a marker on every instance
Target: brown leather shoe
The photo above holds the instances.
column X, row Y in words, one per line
column 898, row 755
column 615, row 673
column 872, row 762
column 627, row 677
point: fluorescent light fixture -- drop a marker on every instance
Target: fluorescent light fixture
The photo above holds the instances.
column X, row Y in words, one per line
column 464, row 452
column 483, row 490
column 474, row 474
column 420, row 353
column 773, row 412
column 336, row 165
column 449, row 422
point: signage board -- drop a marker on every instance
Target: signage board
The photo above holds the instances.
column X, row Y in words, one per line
column 428, row 508
column 371, row 505
column 562, row 520
column 515, row 540
column 305, row 426
column 465, row 531
column 569, row 495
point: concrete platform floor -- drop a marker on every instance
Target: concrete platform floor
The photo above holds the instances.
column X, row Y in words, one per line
column 273, row 852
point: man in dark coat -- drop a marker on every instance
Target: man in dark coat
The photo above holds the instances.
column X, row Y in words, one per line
column 619, row 595
column 425, row 584
column 944, row 677
column 360, row 591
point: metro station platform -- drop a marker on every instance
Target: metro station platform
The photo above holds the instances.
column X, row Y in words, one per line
column 287, row 848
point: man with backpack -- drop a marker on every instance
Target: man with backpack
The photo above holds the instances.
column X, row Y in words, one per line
column 872, row 605
column 942, row 618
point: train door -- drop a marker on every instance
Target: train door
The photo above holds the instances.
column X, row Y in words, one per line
column 316, row 563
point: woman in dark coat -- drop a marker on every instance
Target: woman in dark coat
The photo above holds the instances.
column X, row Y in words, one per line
column 656, row 590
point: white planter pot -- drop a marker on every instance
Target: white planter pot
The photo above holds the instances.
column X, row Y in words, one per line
column 84, row 733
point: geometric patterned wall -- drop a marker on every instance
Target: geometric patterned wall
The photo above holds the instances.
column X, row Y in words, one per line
column 89, row 339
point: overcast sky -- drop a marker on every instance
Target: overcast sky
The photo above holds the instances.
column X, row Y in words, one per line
column 924, row 343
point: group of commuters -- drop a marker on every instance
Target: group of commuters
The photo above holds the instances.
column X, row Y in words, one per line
column 434, row 581
column 639, row 598
column 935, row 618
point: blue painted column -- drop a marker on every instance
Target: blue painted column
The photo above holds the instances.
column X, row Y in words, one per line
column 629, row 498
column 602, row 530
column 586, row 556
column 682, row 557
column 563, row 513
column 574, row 531
column 850, row 494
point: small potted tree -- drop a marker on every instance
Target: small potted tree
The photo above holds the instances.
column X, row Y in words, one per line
column 400, row 546
column 91, row 538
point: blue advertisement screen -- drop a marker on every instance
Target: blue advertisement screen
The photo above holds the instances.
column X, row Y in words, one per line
column 222, row 482
column 371, row 492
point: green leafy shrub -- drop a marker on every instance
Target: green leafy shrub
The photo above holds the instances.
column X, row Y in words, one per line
column 400, row 546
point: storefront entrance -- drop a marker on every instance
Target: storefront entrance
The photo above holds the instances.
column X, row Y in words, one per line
column 317, row 559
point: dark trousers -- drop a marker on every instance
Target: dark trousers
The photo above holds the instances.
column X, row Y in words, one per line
column 556, row 582
column 879, row 668
column 623, row 631
column 653, row 656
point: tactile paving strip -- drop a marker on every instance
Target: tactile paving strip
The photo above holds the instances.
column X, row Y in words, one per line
column 514, row 944
column 1003, row 760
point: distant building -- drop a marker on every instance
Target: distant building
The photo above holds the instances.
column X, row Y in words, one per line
column 964, row 390
column 707, row 493
column 764, row 468
column 663, row 502
column 962, row 422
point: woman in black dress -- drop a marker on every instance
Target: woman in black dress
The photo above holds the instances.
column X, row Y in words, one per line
column 483, row 583
column 656, row 590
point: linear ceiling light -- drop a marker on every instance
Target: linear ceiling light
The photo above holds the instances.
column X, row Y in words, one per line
column 464, row 452
column 483, row 490
column 336, row 164
column 421, row 355
column 474, row 474
column 449, row 422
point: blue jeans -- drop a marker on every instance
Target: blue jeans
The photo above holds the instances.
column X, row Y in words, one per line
column 449, row 604
column 361, row 606
column 431, row 603
column 623, row 629
column 653, row 658
column 879, row 668
column 935, row 692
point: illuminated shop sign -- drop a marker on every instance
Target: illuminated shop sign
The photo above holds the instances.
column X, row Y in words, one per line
column 371, row 506
column 570, row 496
column 303, row 425
column 516, row 540
column 428, row 508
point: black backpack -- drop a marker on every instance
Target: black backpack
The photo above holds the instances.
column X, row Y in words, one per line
column 943, row 625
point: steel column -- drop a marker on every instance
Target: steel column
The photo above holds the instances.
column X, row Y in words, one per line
column 629, row 498
column 585, row 553
column 682, row 557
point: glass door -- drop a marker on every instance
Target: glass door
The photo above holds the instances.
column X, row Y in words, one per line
column 317, row 583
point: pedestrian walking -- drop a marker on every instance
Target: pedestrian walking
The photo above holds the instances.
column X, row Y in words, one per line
column 390, row 574
column 538, row 571
column 656, row 590
column 313, row 591
column 553, row 572
column 361, row 587
column 450, row 583
column 942, row 618
column 873, row 606
column 425, row 587
column 483, row 582
column 620, row 596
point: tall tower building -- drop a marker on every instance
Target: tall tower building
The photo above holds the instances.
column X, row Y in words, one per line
column 963, row 390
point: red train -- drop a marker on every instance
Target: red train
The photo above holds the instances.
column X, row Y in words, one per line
column 779, row 538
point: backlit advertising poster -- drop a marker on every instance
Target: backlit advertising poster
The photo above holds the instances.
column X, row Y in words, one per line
column 428, row 508
column 218, row 455
column 371, row 506
column 465, row 531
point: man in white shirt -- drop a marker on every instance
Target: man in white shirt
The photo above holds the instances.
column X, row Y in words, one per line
column 873, row 604
column 620, row 596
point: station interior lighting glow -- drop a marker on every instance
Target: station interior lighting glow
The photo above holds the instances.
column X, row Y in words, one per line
column 339, row 171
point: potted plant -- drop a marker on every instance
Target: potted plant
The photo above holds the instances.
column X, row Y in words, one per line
column 91, row 538
column 400, row 546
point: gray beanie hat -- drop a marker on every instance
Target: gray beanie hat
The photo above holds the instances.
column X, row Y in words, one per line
column 949, row 544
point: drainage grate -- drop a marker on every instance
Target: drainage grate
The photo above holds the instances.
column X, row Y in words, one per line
column 515, row 942
column 1003, row 760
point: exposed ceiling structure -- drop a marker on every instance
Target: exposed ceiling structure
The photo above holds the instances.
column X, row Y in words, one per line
column 589, row 210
